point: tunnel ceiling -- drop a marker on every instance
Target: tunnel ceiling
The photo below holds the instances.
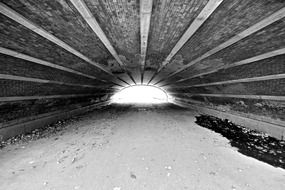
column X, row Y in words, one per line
column 193, row 48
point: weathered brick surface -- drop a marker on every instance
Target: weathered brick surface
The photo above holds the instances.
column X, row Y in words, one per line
column 60, row 18
column 19, row 109
column 170, row 19
column 19, row 67
column 268, row 39
column 21, row 88
column 269, row 87
column 120, row 22
column 231, row 18
column 267, row 108
column 19, row 38
column 270, row 66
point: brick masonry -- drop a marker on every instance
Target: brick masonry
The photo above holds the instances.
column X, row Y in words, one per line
column 120, row 21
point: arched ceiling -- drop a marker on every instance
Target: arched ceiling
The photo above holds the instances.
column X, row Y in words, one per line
column 205, row 48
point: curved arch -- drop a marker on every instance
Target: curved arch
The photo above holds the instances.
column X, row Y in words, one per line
column 141, row 94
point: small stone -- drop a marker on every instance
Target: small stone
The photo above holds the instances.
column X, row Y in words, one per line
column 168, row 167
column 74, row 160
column 31, row 162
column 133, row 176
column 77, row 187
column 168, row 174
column 117, row 188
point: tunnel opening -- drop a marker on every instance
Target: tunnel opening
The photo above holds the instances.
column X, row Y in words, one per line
column 141, row 94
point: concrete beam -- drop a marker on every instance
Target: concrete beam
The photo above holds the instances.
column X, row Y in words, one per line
column 5, row 10
column 211, row 6
column 239, row 63
column 261, row 97
column 258, row 26
column 253, row 122
column 21, row 98
column 145, row 16
column 29, row 79
column 42, row 62
column 94, row 25
column 253, row 79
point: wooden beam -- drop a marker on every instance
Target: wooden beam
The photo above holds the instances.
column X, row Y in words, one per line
column 28, row 79
column 5, row 10
column 253, row 79
column 239, row 63
column 207, row 11
column 94, row 25
column 261, row 97
column 258, row 26
column 145, row 16
column 45, row 63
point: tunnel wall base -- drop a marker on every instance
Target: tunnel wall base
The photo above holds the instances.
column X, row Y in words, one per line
column 277, row 131
column 26, row 125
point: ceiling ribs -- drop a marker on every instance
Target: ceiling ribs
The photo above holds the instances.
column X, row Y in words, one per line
column 239, row 63
column 5, row 10
column 211, row 6
column 29, row 79
column 260, row 97
column 258, row 26
column 145, row 16
column 94, row 25
column 45, row 63
column 253, row 79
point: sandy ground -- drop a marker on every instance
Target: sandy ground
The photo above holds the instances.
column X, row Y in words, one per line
column 134, row 149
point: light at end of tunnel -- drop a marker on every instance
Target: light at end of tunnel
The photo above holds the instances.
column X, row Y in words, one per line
column 141, row 94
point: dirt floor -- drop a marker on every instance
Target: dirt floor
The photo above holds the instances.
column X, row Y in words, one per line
column 130, row 148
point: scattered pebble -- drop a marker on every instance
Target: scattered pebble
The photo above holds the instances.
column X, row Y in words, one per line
column 31, row 162
column 77, row 187
column 168, row 167
column 133, row 176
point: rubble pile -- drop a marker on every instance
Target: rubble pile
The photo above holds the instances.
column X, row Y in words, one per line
column 249, row 142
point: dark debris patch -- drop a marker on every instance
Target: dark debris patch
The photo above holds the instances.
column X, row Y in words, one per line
column 249, row 142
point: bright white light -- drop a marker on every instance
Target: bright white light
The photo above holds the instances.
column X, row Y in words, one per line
column 140, row 94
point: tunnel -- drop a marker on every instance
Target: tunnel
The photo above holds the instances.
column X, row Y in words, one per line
column 142, row 94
